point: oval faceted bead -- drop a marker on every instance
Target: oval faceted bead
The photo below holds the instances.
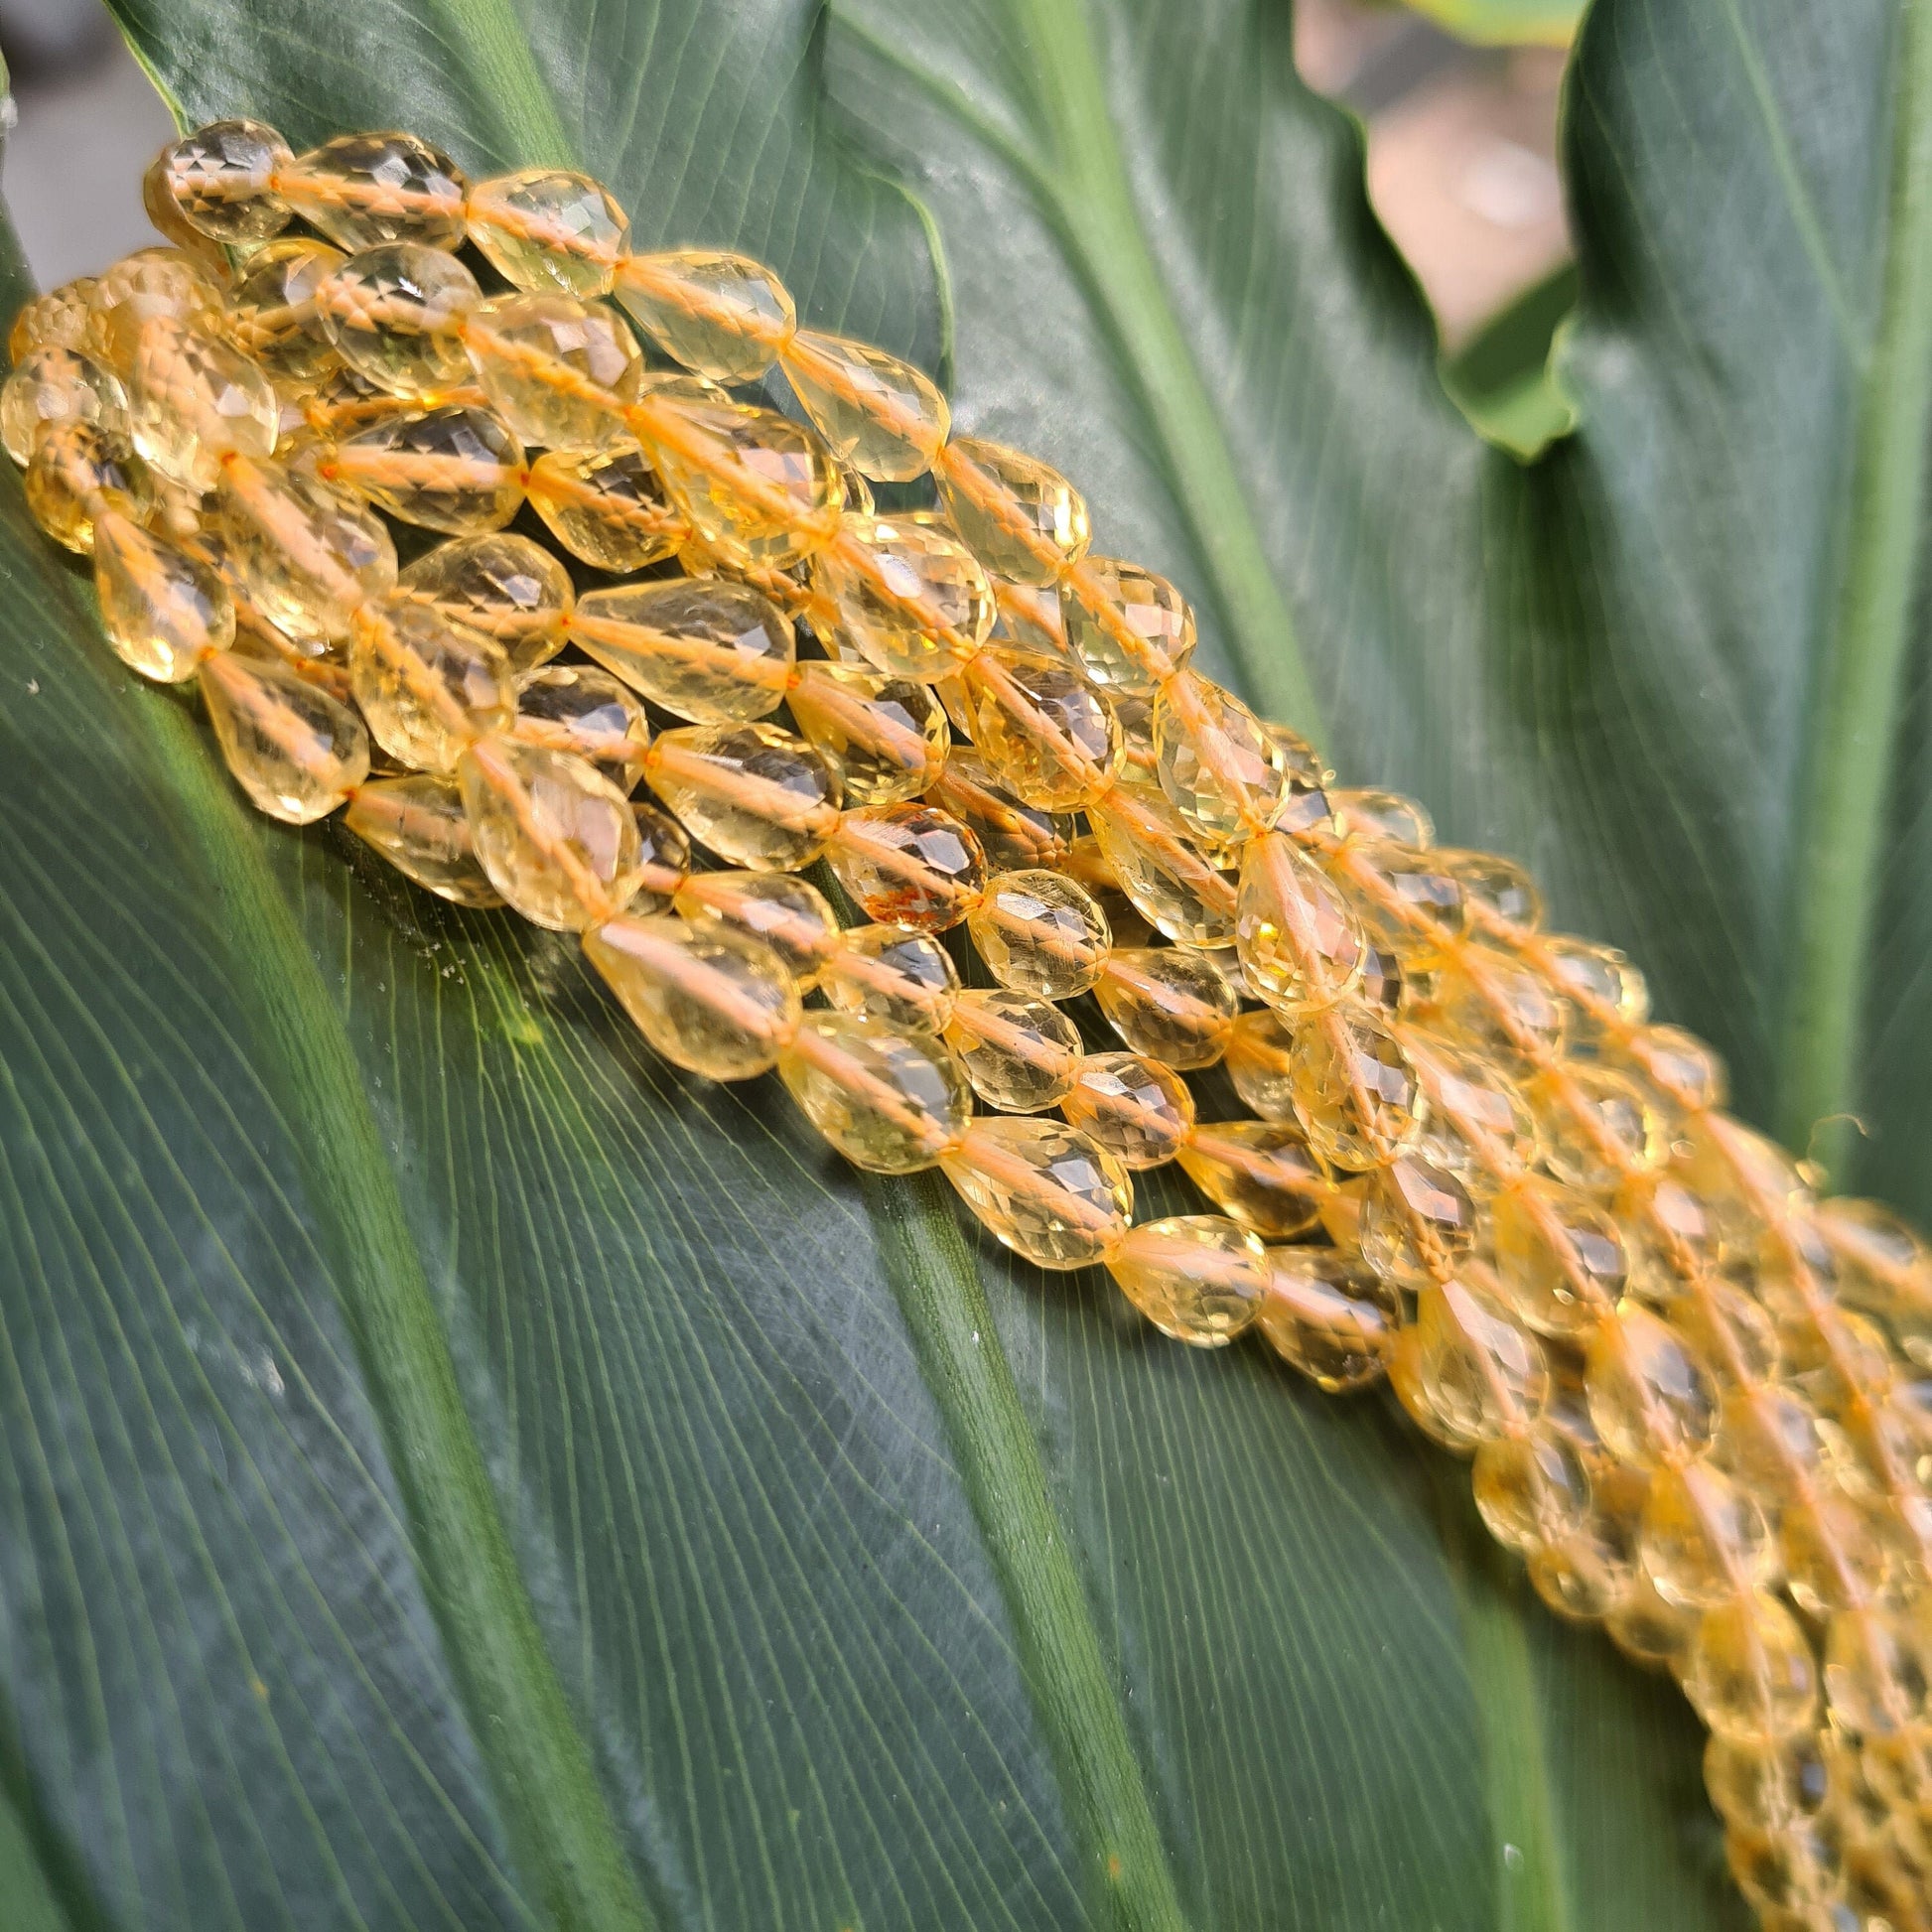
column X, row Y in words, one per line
column 1531, row 1487
column 363, row 189
column 712, row 1002
column 500, row 584
column 419, row 825
column 1651, row 1398
column 1129, row 630
column 1701, row 1538
column 1043, row 1188
column 1497, row 889
column 53, row 385
column 1021, row 519
column 427, row 687
column 1156, row 862
column 192, row 400
column 755, row 794
column 1039, row 932
column 1479, row 1373
column 163, row 610
column 1560, row 1259
column 453, row 469
column 1409, row 904
column 1047, row 736
column 1225, row 773
column 909, row 865
column 1596, row 1126
column 1139, row 1111
column 607, row 506
column 294, row 750
column 713, row 652
column 78, row 471
column 1014, row 836
column 892, row 973
column 1262, row 1172
column 1020, row 1053
column 1259, row 1056
column 1417, row 1222
column 1172, row 1004
column 664, row 861
column 1300, row 945
column 558, row 369
column 1325, row 1314
column 396, row 314
column 877, row 413
column 549, row 228
column 1196, row 1277
column 1750, row 1670
column 722, row 316
column 890, row 1100
column 912, row 601
column 55, row 320
column 1355, row 1090
column 580, row 709
column 786, row 914
column 272, row 315
column 889, row 734
column 150, row 283
column 221, row 181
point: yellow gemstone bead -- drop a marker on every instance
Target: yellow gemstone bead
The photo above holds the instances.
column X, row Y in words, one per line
column 713, row 652
column 891, row 1101
column 712, row 1002
column 1049, row 738
column 1014, row 836
column 549, row 228
column 1480, row 1125
column 1681, row 1069
column 501, row 584
column 1487, row 999
column 1039, row 932
column 272, row 315
column 722, row 316
column 78, row 471
column 1263, row 1173
column 1225, row 773
column 1328, row 1317
column 221, row 181
column 912, row 601
column 560, row 371
column 1355, row 1090
column 786, row 914
column 1043, row 1188
column 1876, row 1667
column 427, row 686
column 163, row 609
column 1367, row 813
column 1169, row 880
column 419, row 825
column 903, row 977
column 1596, row 1126
column 580, row 709
column 665, row 860
column 1766, row 1787
column 1750, row 1673
column 1498, row 889
column 1417, row 1222
column 1702, row 1539
column 1169, row 1003
column 1130, row 630
column 453, row 469
column 192, row 400
column 1260, row 1054
column 889, row 734
column 52, row 385
column 755, row 794
column 1020, row 518
column 1561, row 1260
column 55, row 320
column 364, row 190
column 877, row 413
column 1020, row 1053
column 1650, row 1397
column 909, row 865
column 294, row 750
column 1139, row 1111
column 1301, row 946
column 151, row 282
column 1480, row 1374
column 1196, row 1277
column 1531, row 1487
column 607, row 506
column 1602, row 983
column 1408, row 902
column 396, row 314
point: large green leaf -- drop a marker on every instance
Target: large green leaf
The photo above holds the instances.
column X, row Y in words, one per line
column 458, row 1473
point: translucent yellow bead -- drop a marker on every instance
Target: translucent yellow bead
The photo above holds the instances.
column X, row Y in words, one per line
column 1301, row 944
column 1169, row 1003
column 1766, row 1787
column 1129, row 630
column 1650, row 1632
column 272, row 315
column 1681, row 1067
column 709, row 650
column 909, row 865
column 453, row 469
column 419, row 825
column 1224, row 771
column 52, row 385
column 1325, row 1314
column 1702, row 1539
column 1883, row 1270
column 549, row 228
column 1481, row 1375
column 1531, row 1487
column 877, row 413
column 1139, row 1111
column 77, row 472
column 665, row 860
column 1372, row 814
column 1039, row 932
column 1408, row 902
column 891, row 973
column 221, row 179
column 1169, row 880
column 1650, row 1397
column 580, row 709
column 294, row 750
column 1355, row 1089
column 427, row 686
column 1261, row 1172
column 560, row 371
column 55, row 320
column 396, row 314
column 1014, row 836
column 1750, row 1670
column 1603, row 983
column 1260, row 1049
column 889, row 734
column 1049, row 737
column 501, row 584
column 149, row 283
column 722, row 316
column 786, row 914
column 912, row 601
column 192, row 400
column 607, row 506
column 364, row 190
column 712, row 1002
column 1417, row 1222
column 1876, row 1667
column 890, row 1100
column 1596, row 1126
column 1487, row 999
column 1497, row 889
column 1561, row 1261
column 1020, row 1053
column 307, row 555
column 1043, row 1188
column 755, row 794
column 1020, row 518
column 163, row 609
column 1479, row 1126
column 1196, row 1277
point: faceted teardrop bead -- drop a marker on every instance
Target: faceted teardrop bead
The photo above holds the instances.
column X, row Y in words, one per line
column 1561, row 1261
column 364, row 190
column 1596, row 1126
column 909, row 865
column 783, row 912
column 1766, row 1788
column 665, row 857
column 55, row 320
column 549, row 228
column 580, row 709
column 1139, row 1111
column 1481, row 1375
column 1325, row 1314
column 221, row 181
column 1172, row 1004
column 1198, row 1278
column 1702, row 1539
column 500, row 584
column 1496, row 890
column 77, row 471
column 1020, row 518
column 712, row 1002
column 294, row 750
column 1355, row 1090
column 607, row 506
column 1369, row 813
column 1300, row 945
column 1604, row 986
column 1884, row 1271
column 1652, row 1400
column 555, row 836
column 1877, row 1668
column 419, row 825
column 192, row 400
column 1750, row 1673
column 453, row 469
column 722, row 316
column 52, row 385
column 1408, row 902
column 307, row 555
column 1022, row 1054
column 1257, row 1058
column 889, row 734
column 1014, row 836
column 1129, row 630
column 1163, row 874
column 912, row 601
column 1479, row 1126
column 1049, row 738
column 272, row 315
column 558, row 369
column 427, row 687
column 149, row 283
column 1417, row 1222
column 1043, row 1188
column 1531, row 1487
column 1224, row 771
column 755, row 794
column 877, row 413
column 710, row 651
column 887, row 1099
column 163, row 610
column 396, row 314
column 1681, row 1067
column 1262, row 1172
column 1039, row 932
column 892, row 973
column 1487, row 999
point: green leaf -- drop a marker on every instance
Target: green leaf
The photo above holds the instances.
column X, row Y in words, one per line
column 459, row 1473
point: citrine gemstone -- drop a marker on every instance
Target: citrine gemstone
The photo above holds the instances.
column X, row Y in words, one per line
column 1481, row 1375
column 1531, row 1487
column 419, row 825
column 272, row 315
column 1596, row 1127
column 1139, row 1111
column 1022, row 1054
column 163, row 609
column 1355, row 1090
column 1043, row 1188
column 893, row 973
column 1176, row 887
column 755, row 794
column 890, row 1100
column 221, row 181
column 1367, row 813
column 1167, row 1003
column 55, row 320
column 876, row 412
column 1408, row 902
column 193, row 399
column 294, row 750
column 911, row 600
column 1652, row 1398
column 712, row 651
column 150, row 283
column 455, row 469
column 364, row 190
column 549, row 228
column 1130, row 630
column 1014, row 836
column 1198, row 1278
column 607, row 506
column 581, row 709
column 1040, row 932
column 1766, row 1787
column 665, row 857
column 79, row 471
column 1323, row 1312
column 1263, row 1173
column 1498, row 890
column 428, row 687
column 1225, row 771
column 1417, row 1222
column 789, row 915
column 1048, row 736
column 52, row 385
column 1479, row 1126
column 889, row 734
column 1301, row 946
column 909, row 865
column 1750, row 1673
column 1703, row 1539
column 1487, row 999
column 559, row 371
column 1020, row 518
column 1260, row 1054
column 501, row 584
column 722, row 316
column 1561, row 1259
column 396, row 314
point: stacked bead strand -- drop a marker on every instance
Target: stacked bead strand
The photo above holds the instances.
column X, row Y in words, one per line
column 1699, row 1400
